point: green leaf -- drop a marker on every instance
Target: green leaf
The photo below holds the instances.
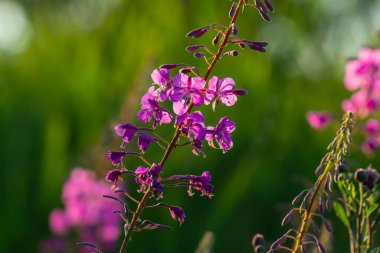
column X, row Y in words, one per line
column 340, row 212
column 376, row 250
column 371, row 208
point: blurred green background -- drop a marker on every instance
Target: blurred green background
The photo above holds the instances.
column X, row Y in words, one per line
column 70, row 70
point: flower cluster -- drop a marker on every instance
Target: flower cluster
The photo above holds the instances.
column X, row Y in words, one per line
column 362, row 78
column 170, row 99
column 85, row 212
column 184, row 92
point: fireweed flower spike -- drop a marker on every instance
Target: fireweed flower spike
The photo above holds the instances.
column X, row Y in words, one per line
column 319, row 194
column 184, row 90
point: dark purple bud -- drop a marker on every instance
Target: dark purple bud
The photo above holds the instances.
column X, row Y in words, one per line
column 264, row 15
column 177, row 213
column 240, row 92
column 113, row 176
column 261, row 43
column 215, row 40
column 116, row 156
column 235, row 31
column 287, row 217
column 184, row 70
column 321, row 248
column 327, row 224
column 231, row 13
column 232, row 53
column 198, row 54
column 198, row 32
column 172, row 66
column 242, row 44
column 256, row 47
column 318, row 170
column 298, row 197
column 342, row 168
column 194, row 48
column 269, row 5
column 279, row 242
column 321, row 206
column 360, row 175
column 144, row 141
column 258, row 239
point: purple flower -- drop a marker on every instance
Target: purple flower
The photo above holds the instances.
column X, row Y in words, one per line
column 362, row 72
column 86, row 211
column 155, row 171
column 221, row 133
column 113, row 176
column 318, row 120
column 142, row 178
column 361, row 104
column 221, row 90
column 370, row 145
column 157, row 189
column 372, row 127
column 202, row 184
column 127, row 131
column 144, row 141
column 161, row 77
column 184, row 90
column 192, row 125
column 150, row 109
column 116, row 156
column 58, row 222
column 196, row 148
column 177, row 213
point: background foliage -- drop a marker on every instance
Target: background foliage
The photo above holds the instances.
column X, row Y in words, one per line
column 69, row 70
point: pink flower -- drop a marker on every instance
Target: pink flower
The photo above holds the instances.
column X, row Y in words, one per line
column 318, row 120
column 177, row 213
column 361, row 72
column 58, row 222
column 372, row 127
column 184, row 90
column 222, row 134
column 221, row 90
column 150, row 109
column 192, row 125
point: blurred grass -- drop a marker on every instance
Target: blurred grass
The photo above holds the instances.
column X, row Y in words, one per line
column 87, row 61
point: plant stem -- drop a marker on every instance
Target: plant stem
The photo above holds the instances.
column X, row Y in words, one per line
column 177, row 133
column 308, row 212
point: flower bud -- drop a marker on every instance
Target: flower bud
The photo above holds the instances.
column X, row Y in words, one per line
column 193, row 48
column 215, row 40
column 232, row 53
column 199, row 32
column 258, row 239
column 235, row 31
column 231, row 13
column 198, row 54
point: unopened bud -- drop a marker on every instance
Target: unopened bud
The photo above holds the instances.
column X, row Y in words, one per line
column 231, row 13
column 198, row 54
column 193, row 48
column 198, row 32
